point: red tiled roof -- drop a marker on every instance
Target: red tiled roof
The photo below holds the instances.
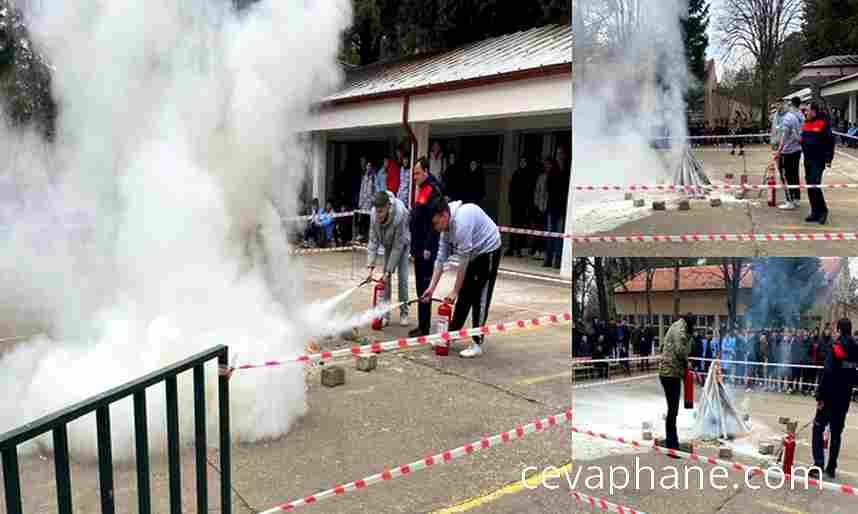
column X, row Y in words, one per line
column 706, row 278
column 541, row 47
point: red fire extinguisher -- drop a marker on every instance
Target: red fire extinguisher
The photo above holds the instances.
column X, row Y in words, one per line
column 772, row 191
column 789, row 454
column 442, row 324
column 377, row 295
column 689, row 388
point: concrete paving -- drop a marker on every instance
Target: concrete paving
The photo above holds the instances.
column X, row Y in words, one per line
column 752, row 216
column 412, row 405
column 618, row 410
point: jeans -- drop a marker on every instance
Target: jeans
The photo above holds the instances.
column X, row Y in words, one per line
column 554, row 245
column 833, row 416
column 813, row 170
column 672, row 387
column 402, row 269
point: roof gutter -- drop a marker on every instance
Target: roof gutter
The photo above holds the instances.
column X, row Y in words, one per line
column 415, row 148
column 543, row 71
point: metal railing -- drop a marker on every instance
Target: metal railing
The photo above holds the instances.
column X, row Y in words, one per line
column 57, row 423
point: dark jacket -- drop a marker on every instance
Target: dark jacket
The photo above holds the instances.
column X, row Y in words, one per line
column 472, row 186
column 840, row 374
column 558, row 193
column 817, row 139
column 521, row 189
column 423, row 236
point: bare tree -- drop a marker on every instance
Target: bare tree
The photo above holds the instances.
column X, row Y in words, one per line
column 676, row 288
column 759, row 28
column 650, row 274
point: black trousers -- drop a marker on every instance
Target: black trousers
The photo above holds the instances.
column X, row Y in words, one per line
column 519, row 219
column 672, row 388
column 813, row 170
column 834, row 417
column 423, row 278
column 476, row 294
column 790, row 166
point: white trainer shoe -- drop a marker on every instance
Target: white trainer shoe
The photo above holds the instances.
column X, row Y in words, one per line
column 788, row 206
column 403, row 320
column 472, row 351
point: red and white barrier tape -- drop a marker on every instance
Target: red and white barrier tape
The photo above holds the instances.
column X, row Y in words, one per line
column 609, row 360
column 730, row 136
column 603, row 505
column 336, row 215
column 671, row 188
column 551, row 319
column 774, row 381
column 536, row 426
column 696, row 457
column 688, row 238
column 615, row 381
column 716, row 238
column 314, row 251
column 755, row 363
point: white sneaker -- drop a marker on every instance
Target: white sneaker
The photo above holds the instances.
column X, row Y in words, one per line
column 403, row 320
column 788, row 206
column 472, row 351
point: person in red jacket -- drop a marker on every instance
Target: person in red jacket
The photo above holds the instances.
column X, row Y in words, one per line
column 393, row 172
column 817, row 145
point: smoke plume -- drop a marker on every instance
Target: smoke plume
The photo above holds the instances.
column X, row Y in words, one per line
column 150, row 230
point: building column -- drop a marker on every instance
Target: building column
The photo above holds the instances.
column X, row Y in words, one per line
column 851, row 115
column 566, row 263
column 421, row 133
column 509, row 163
column 319, row 165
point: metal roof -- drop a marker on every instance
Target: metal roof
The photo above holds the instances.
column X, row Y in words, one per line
column 833, row 61
column 541, row 47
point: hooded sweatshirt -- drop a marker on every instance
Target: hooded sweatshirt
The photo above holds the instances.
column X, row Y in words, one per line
column 471, row 234
column 393, row 235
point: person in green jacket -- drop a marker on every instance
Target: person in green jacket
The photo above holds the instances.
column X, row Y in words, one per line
column 671, row 371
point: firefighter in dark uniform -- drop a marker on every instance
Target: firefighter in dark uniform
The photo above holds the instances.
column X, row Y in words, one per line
column 833, row 396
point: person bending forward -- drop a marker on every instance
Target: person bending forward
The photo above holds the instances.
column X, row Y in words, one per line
column 475, row 240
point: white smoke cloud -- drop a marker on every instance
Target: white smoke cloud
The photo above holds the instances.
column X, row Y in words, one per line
column 630, row 80
column 127, row 239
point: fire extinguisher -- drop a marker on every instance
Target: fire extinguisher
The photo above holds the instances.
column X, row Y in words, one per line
column 689, row 388
column 772, row 191
column 789, row 454
column 442, row 324
column 377, row 295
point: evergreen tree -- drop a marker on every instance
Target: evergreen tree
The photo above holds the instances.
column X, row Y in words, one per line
column 694, row 35
column 830, row 28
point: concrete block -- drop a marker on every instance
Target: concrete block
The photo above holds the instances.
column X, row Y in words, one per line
column 629, row 196
column 715, row 202
column 684, row 205
column 647, row 435
column 639, row 202
column 366, row 362
column 333, row 376
column 725, row 453
column 659, row 206
column 646, row 425
column 783, row 420
column 791, row 427
column 767, row 448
